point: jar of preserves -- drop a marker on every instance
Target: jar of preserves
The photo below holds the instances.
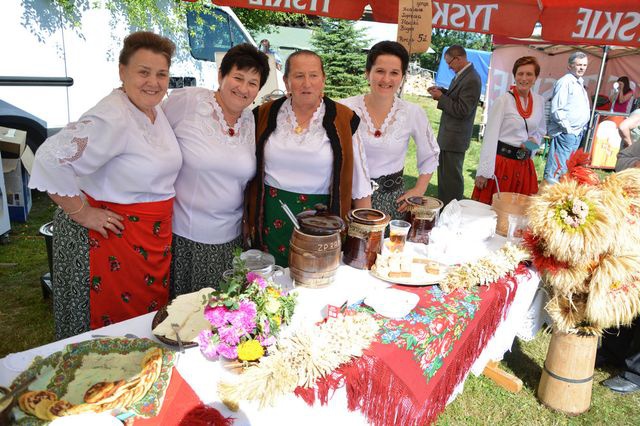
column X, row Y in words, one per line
column 423, row 214
column 365, row 236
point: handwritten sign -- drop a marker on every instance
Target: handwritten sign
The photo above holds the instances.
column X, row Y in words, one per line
column 414, row 25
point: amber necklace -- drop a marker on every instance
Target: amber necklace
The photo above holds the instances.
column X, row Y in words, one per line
column 301, row 126
column 524, row 112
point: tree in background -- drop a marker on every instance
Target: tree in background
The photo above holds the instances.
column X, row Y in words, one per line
column 440, row 39
column 341, row 47
column 265, row 21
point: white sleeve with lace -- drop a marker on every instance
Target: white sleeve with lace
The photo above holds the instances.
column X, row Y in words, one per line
column 361, row 186
column 79, row 149
column 427, row 149
column 488, row 152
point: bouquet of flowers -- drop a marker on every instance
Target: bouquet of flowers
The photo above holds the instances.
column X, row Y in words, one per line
column 246, row 314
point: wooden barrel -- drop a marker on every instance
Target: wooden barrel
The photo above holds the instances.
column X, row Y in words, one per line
column 314, row 259
column 567, row 376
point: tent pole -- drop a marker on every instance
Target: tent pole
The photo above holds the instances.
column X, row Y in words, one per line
column 605, row 51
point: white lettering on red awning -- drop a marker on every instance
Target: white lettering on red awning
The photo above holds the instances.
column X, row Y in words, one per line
column 465, row 16
column 604, row 25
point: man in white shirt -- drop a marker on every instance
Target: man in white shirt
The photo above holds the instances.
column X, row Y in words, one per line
column 570, row 114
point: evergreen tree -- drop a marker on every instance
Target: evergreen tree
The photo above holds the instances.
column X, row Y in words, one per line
column 341, row 47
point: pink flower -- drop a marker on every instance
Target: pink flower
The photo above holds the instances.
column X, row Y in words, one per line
column 244, row 317
column 253, row 277
column 227, row 351
column 207, row 345
column 216, row 315
column 266, row 341
column 229, row 335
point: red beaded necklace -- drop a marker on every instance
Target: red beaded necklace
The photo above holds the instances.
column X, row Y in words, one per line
column 524, row 113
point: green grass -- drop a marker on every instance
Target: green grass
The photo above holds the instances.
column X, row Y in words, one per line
column 26, row 321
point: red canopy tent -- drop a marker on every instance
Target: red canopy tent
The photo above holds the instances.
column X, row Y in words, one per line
column 593, row 22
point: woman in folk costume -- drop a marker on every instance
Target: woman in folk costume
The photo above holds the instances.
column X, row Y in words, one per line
column 388, row 123
column 216, row 134
column 514, row 131
column 307, row 154
column 112, row 174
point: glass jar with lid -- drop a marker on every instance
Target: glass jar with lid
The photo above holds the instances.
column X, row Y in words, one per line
column 365, row 237
column 423, row 213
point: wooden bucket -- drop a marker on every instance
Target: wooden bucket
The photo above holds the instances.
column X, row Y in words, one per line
column 508, row 203
column 314, row 259
column 567, row 376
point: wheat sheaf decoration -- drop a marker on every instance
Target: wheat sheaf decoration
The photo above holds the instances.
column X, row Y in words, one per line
column 310, row 353
column 584, row 237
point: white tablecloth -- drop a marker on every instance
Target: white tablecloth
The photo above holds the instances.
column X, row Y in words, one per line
column 352, row 285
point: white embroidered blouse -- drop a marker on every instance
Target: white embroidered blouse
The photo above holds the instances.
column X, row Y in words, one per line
column 386, row 153
column 506, row 125
column 113, row 153
column 303, row 163
column 216, row 166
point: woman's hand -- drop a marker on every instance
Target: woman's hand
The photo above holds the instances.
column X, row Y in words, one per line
column 481, row 182
column 402, row 201
column 99, row 220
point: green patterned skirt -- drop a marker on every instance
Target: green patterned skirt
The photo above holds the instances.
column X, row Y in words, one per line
column 277, row 228
column 195, row 265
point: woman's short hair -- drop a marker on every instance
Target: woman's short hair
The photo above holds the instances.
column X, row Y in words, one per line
column 287, row 64
column 245, row 56
column 146, row 40
column 388, row 48
column 526, row 60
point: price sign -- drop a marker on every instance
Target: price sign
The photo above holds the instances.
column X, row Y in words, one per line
column 414, row 25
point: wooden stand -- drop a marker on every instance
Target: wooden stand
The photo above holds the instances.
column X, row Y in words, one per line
column 501, row 378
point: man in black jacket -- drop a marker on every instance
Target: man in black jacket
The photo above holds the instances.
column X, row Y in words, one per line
column 458, row 105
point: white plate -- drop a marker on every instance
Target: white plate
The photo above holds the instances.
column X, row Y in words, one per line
column 392, row 303
column 424, row 279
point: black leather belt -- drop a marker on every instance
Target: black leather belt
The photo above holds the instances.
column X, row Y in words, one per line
column 390, row 183
column 512, row 152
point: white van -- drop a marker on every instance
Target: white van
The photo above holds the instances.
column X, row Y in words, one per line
column 52, row 75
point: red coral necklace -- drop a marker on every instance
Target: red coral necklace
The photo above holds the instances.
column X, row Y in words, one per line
column 524, row 112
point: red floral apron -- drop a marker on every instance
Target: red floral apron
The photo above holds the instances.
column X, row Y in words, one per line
column 129, row 274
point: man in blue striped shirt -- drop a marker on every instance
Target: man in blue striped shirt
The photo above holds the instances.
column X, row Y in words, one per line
column 569, row 117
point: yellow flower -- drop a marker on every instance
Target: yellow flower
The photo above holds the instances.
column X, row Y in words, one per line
column 277, row 319
column 251, row 350
column 273, row 292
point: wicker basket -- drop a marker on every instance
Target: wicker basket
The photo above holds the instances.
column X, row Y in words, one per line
column 508, row 203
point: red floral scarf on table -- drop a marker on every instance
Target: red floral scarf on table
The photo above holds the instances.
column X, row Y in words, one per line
column 129, row 274
column 438, row 341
